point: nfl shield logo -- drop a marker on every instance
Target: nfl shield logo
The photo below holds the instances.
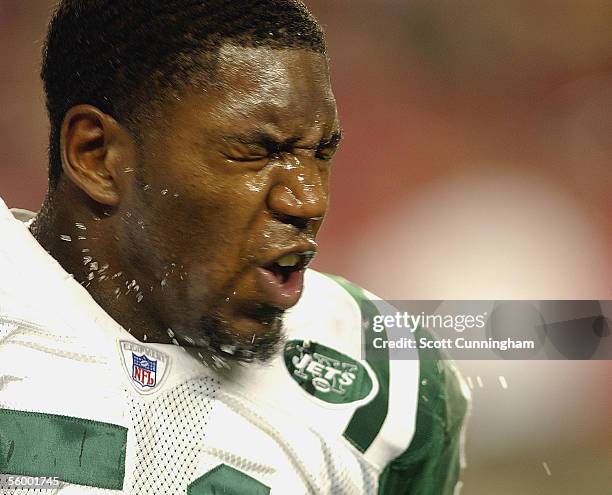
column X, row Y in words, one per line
column 146, row 367
column 144, row 370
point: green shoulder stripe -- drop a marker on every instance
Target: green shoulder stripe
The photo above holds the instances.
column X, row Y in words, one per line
column 225, row 480
column 431, row 464
column 76, row 450
column 369, row 418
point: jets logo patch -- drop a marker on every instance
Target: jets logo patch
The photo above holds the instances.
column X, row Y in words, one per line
column 329, row 375
column 146, row 367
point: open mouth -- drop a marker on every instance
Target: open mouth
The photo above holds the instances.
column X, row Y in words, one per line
column 281, row 281
column 284, row 267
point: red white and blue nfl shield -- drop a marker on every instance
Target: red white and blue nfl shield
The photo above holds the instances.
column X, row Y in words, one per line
column 144, row 370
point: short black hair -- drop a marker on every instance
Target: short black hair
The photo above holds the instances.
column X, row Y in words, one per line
column 119, row 55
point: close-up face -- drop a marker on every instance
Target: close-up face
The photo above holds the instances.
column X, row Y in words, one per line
column 223, row 207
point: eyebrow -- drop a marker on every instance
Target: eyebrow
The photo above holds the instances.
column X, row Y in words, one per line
column 334, row 139
column 270, row 140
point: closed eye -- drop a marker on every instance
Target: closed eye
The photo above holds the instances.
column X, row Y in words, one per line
column 245, row 158
column 244, row 152
column 257, row 148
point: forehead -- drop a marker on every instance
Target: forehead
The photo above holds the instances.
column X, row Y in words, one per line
column 280, row 91
column 265, row 74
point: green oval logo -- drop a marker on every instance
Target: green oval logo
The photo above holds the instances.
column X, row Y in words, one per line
column 327, row 374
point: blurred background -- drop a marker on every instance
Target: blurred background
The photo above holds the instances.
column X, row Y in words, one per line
column 477, row 164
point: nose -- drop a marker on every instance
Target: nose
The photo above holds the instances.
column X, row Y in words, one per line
column 300, row 193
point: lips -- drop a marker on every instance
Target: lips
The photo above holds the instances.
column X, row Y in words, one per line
column 281, row 281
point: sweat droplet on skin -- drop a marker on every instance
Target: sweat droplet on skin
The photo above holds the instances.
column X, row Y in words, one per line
column 294, row 165
column 228, row 349
column 66, row 238
column 164, row 192
column 90, row 276
column 170, row 333
column 93, row 266
column 80, row 226
column 87, row 260
column 254, row 188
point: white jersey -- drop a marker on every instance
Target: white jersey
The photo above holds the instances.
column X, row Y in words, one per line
column 83, row 401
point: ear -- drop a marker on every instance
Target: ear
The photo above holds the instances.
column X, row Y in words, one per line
column 94, row 148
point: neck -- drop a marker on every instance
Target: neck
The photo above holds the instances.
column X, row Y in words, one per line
column 80, row 235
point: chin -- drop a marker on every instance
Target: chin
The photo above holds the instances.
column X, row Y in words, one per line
column 255, row 335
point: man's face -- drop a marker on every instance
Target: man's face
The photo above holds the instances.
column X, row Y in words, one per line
column 230, row 191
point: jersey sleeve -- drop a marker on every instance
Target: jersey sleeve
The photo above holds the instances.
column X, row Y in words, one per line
column 432, row 463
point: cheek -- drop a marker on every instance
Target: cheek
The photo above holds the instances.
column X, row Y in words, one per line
column 207, row 232
column 222, row 207
column 202, row 217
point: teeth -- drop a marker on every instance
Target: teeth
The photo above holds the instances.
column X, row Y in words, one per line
column 288, row 260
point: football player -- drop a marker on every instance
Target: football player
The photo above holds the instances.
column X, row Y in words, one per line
column 160, row 330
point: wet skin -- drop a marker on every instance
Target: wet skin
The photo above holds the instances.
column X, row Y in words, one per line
column 232, row 177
